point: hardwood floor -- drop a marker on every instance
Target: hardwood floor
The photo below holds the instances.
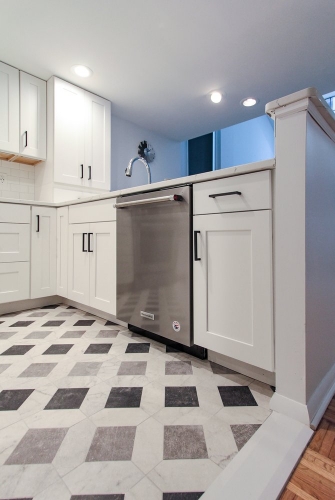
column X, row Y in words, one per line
column 314, row 477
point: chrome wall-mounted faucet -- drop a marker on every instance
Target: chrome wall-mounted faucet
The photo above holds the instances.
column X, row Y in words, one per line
column 129, row 169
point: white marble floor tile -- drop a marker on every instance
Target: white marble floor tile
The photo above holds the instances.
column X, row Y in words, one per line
column 56, row 491
column 148, row 447
column 19, row 481
column 144, row 490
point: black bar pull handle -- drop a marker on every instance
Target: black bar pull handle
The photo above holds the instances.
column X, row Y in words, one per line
column 89, row 172
column 196, row 245
column 229, row 193
column 84, row 242
column 26, row 137
column 89, row 242
column 82, row 171
column 37, row 223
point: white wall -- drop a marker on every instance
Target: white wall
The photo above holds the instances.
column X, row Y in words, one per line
column 247, row 142
column 170, row 161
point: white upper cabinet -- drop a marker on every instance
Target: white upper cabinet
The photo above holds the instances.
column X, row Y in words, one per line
column 9, row 109
column 98, row 141
column 32, row 116
column 81, row 136
column 69, row 133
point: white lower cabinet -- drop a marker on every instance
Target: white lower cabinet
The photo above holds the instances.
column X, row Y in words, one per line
column 92, row 265
column 43, row 252
column 62, row 250
column 233, row 286
column 14, row 281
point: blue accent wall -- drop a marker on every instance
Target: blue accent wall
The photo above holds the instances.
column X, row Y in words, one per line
column 247, row 142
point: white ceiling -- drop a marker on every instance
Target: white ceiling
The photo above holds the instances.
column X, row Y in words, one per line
column 157, row 60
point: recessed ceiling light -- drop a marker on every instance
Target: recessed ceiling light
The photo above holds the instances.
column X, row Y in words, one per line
column 249, row 101
column 216, row 97
column 81, row 70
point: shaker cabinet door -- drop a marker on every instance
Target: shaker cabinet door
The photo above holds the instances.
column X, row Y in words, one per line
column 62, row 250
column 97, row 141
column 233, row 286
column 43, row 252
column 78, row 263
column 32, row 116
column 9, row 109
column 103, row 266
column 69, row 131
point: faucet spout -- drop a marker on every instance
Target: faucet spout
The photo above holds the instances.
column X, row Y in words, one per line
column 129, row 169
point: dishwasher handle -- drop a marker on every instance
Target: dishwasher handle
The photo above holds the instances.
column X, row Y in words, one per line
column 146, row 201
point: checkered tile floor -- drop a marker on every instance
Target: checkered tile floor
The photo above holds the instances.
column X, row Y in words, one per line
column 91, row 411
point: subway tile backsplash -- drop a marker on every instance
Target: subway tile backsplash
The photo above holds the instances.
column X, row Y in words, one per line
column 17, row 181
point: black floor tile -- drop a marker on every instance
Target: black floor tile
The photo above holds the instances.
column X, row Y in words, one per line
column 169, row 348
column 237, row 396
column 124, row 397
column 84, row 322
column 13, row 399
column 17, row 350
column 182, row 496
column 273, row 388
column 108, row 323
column 52, row 306
column 71, row 307
column 9, row 315
column 67, row 399
column 58, row 349
column 118, row 496
column 138, row 347
column 54, row 323
column 20, row 324
column 98, row 349
column 181, row 396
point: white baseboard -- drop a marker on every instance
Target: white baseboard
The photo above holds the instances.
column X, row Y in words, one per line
column 23, row 305
column 290, row 408
column 321, row 397
column 261, row 469
column 244, row 368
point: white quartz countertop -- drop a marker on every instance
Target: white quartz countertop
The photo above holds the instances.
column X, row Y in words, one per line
column 191, row 179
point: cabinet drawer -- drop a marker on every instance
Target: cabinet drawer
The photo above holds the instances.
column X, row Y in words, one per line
column 255, row 194
column 14, row 242
column 94, row 211
column 14, row 281
column 10, row 212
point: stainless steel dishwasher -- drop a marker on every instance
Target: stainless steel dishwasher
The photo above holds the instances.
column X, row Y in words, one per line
column 154, row 259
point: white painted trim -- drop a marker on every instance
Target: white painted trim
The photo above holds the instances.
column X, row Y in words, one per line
column 92, row 310
column 290, row 408
column 321, row 397
column 314, row 111
column 261, row 469
column 244, row 368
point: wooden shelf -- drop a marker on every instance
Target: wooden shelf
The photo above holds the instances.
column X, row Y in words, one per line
column 19, row 159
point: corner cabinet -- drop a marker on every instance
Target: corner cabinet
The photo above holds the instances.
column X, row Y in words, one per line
column 80, row 136
column 43, row 252
column 233, row 312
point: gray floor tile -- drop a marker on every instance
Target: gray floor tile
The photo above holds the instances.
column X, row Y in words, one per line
column 236, row 396
column 38, row 370
column 143, row 347
column 84, row 322
column 73, row 335
column 67, row 399
column 132, row 368
column 38, row 446
column 37, row 314
column 221, row 370
column 21, row 324
column 12, row 399
column 98, row 349
column 17, row 350
column 181, row 396
column 53, row 323
column 242, row 433
column 184, row 442
column 83, row 369
column 98, row 497
column 124, row 397
column 183, row 496
column 6, row 335
column 37, row 335
column 178, row 368
column 111, row 444
column 4, row 367
column 106, row 334
column 58, row 349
